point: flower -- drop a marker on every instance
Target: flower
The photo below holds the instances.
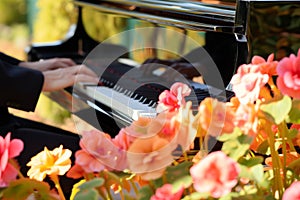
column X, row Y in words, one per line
column 288, row 80
column 247, row 83
column 98, row 152
column 8, row 150
column 215, row 117
column 173, row 99
column 216, row 174
column 292, row 192
column 148, row 157
column 161, row 158
column 55, row 162
column 166, row 193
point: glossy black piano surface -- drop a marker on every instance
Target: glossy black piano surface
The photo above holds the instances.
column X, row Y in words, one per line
column 143, row 46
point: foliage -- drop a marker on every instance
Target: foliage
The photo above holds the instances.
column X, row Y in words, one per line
column 13, row 12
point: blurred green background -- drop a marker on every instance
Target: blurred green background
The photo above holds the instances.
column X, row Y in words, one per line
column 25, row 21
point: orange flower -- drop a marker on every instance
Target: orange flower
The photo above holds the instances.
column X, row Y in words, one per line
column 148, row 157
column 215, row 117
column 55, row 162
column 266, row 67
column 290, row 157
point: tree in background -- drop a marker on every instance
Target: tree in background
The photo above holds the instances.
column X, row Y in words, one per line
column 53, row 20
column 16, row 15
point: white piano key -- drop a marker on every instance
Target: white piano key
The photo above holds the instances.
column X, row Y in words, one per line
column 119, row 102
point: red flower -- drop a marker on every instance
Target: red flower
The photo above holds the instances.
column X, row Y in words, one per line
column 288, row 80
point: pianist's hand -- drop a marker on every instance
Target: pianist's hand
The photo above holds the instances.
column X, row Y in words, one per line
column 60, row 73
column 48, row 64
column 60, row 78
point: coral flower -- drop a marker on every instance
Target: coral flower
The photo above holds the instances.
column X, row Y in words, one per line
column 216, row 173
column 247, row 83
column 293, row 192
column 215, row 117
column 165, row 193
column 173, row 99
column 266, row 66
column 288, row 81
column 55, row 162
column 8, row 150
column 148, row 157
column 97, row 151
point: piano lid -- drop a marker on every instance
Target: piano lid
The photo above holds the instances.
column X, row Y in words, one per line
column 193, row 15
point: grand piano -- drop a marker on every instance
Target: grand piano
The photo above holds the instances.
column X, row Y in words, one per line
column 141, row 47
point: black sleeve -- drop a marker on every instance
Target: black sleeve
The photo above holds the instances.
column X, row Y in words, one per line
column 19, row 87
column 9, row 59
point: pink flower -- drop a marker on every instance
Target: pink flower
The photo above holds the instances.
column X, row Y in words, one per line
column 165, row 193
column 216, row 174
column 173, row 99
column 8, row 150
column 246, row 118
column 293, row 192
column 288, row 81
column 99, row 152
column 247, row 83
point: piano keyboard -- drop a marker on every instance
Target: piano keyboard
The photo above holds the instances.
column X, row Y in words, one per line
column 119, row 100
column 126, row 93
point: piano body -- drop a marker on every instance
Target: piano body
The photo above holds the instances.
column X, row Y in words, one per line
column 141, row 47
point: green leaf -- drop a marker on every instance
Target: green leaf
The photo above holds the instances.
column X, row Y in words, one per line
column 96, row 182
column 145, row 193
column 278, row 110
column 21, row 188
column 264, row 148
column 91, row 194
column 174, row 173
column 185, row 182
column 197, row 196
column 250, row 162
column 294, row 114
column 236, row 148
column 231, row 136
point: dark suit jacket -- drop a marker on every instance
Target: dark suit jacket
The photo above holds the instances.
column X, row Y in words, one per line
column 19, row 87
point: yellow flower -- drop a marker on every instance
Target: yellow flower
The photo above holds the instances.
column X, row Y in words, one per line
column 56, row 162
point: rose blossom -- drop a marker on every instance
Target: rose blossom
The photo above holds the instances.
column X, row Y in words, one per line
column 216, row 173
column 165, row 193
column 288, row 81
column 247, row 82
column 293, row 192
column 8, row 150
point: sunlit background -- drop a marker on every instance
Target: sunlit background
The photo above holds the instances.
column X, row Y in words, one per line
column 23, row 22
